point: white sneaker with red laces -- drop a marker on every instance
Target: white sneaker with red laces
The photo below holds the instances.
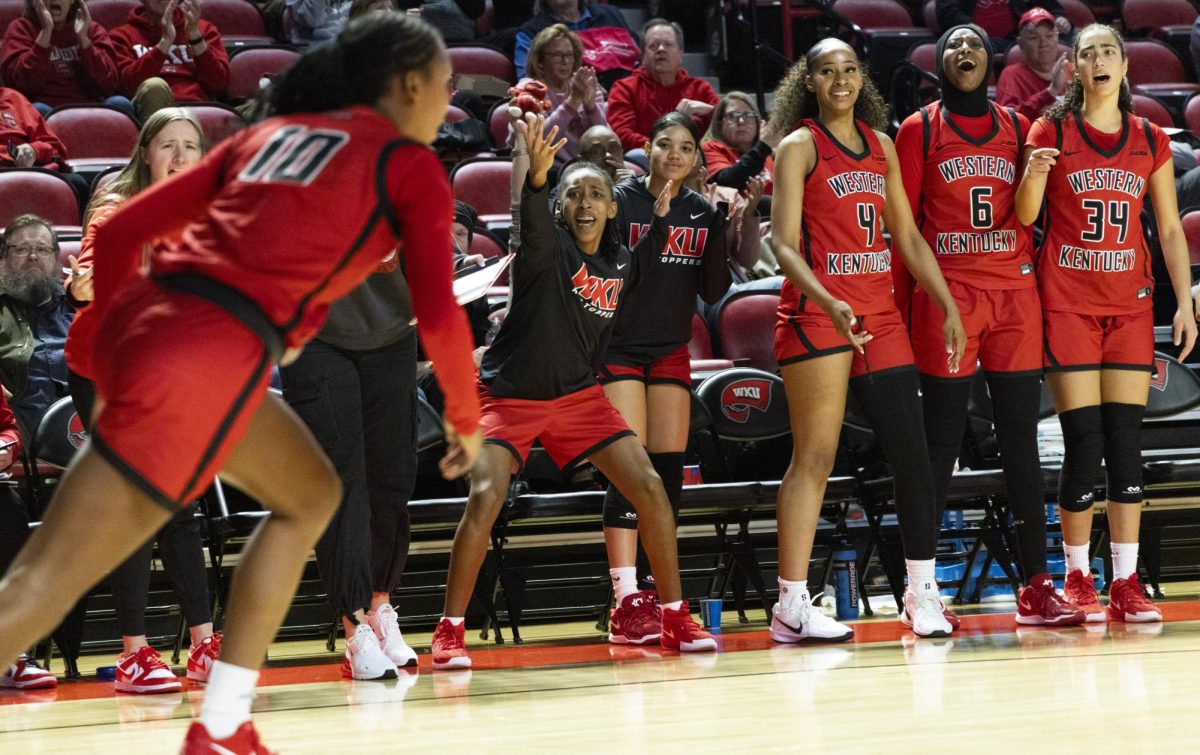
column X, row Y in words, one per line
column 201, row 657
column 27, row 674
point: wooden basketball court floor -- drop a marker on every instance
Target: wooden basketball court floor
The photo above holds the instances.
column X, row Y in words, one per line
column 991, row 688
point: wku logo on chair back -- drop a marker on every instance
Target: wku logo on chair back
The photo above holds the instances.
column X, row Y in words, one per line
column 682, row 241
column 740, row 397
column 76, row 433
column 1159, row 381
column 599, row 295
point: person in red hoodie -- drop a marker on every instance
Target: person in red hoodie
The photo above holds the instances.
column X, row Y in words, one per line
column 25, row 139
column 657, row 87
column 56, row 54
column 167, row 54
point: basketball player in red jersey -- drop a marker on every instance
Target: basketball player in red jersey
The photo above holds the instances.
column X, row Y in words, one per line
column 837, row 182
column 538, row 381
column 960, row 160
column 250, row 264
column 1094, row 163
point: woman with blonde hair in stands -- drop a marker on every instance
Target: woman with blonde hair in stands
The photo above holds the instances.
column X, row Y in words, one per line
column 170, row 141
column 737, row 148
column 575, row 95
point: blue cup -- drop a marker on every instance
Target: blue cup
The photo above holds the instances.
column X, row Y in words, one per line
column 710, row 614
column 106, row 673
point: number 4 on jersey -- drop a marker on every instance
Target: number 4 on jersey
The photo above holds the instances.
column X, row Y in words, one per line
column 868, row 221
column 295, row 154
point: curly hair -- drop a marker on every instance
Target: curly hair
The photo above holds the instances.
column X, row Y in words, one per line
column 1072, row 100
column 793, row 104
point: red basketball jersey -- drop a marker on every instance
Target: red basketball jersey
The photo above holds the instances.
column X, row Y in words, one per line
column 842, row 229
column 1093, row 258
column 967, row 210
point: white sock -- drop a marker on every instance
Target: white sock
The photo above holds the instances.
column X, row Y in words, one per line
column 455, row 620
column 920, row 572
column 624, row 581
column 674, row 605
column 1124, row 560
column 227, row 699
column 791, row 591
column 1077, row 558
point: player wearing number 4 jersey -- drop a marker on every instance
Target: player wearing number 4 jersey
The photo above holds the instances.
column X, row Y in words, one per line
column 960, row 160
column 837, row 183
column 1094, row 163
column 257, row 240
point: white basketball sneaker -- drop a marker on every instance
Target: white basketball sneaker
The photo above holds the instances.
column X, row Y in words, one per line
column 925, row 612
column 804, row 622
column 386, row 625
column 365, row 659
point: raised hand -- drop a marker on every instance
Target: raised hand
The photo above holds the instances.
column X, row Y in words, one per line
column 662, row 205
column 83, row 19
column 1059, row 74
column 43, row 15
column 191, row 17
column 541, row 145
column 167, row 26
column 754, row 191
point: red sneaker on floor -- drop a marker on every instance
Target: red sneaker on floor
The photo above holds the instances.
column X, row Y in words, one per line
column 1127, row 601
column 1080, row 592
column 637, row 620
column 449, row 646
column 144, row 673
column 244, row 741
column 201, row 657
column 681, row 632
column 1039, row 604
column 27, row 674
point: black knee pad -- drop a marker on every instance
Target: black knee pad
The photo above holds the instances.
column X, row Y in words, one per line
column 1083, row 439
column 1123, row 451
column 618, row 511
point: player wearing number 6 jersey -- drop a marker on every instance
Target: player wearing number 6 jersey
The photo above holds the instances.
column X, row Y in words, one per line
column 260, row 237
column 837, row 183
column 960, row 160
column 1095, row 163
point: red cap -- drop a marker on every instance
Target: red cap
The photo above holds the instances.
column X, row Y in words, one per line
column 1035, row 16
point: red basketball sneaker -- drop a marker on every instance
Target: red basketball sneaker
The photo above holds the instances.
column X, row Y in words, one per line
column 681, row 632
column 637, row 620
column 1080, row 592
column 244, row 741
column 449, row 646
column 1127, row 601
column 1040, row 605
column 201, row 657
column 27, row 674
column 144, row 673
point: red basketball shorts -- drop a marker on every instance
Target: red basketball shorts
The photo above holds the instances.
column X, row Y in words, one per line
column 181, row 380
column 808, row 335
column 1003, row 326
column 1076, row 342
column 571, row 427
column 674, row 368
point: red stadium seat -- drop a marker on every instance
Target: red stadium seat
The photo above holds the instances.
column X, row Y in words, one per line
column 1191, row 115
column 1144, row 16
column 94, row 135
column 700, row 347
column 25, row 190
column 498, row 125
column 481, row 243
column 10, row 10
column 924, row 56
column 875, row 14
column 481, row 60
column 1078, row 13
column 483, row 183
column 1148, row 107
column 67, row 249
column 247, row 66
column 1191, row 229
column 111, row 13
column 455, row 114
column 1154, row 68
column 218, row 121
column 746, row 328
column 929, row 16
column 239, row 22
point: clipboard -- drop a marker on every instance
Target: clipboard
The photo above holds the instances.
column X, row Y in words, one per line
column 473, row 282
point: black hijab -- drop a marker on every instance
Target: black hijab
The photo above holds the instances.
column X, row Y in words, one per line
column 969, row 104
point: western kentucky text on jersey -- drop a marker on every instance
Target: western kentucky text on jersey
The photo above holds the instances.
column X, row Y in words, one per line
column 977, row 166
column 1106, row 179
column 685, row 244
column 178, row 55
column 858, row 263
column 1097, row 261
column 857, row 182
column 989, row 242
column 599, row 295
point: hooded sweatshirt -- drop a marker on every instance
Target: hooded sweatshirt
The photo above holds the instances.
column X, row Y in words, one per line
column 62, row 73
column 192, row 78
column 21, row 124
column 637, row 101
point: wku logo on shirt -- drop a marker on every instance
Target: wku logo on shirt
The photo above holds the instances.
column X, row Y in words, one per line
column 177, row 56
column 739, row 398
column 76, row 433
column 599, row 295
column 682, row 241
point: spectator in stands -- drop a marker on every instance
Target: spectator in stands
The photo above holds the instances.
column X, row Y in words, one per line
column 34, row 317
column 997, row 17
column 462, row 231
column 602, row 146
column 455, row 19
column 56, row 55
column 657, row 87
column 170, row 141
column 1032, row 85
column 736, row 148
column 29, row 140
column 598, row 26
column 359, row 7
column 576, row 97
column 166, row 54
column 317, row 20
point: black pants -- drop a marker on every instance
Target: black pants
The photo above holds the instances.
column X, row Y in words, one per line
column 362, row 408
column 179, row 545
